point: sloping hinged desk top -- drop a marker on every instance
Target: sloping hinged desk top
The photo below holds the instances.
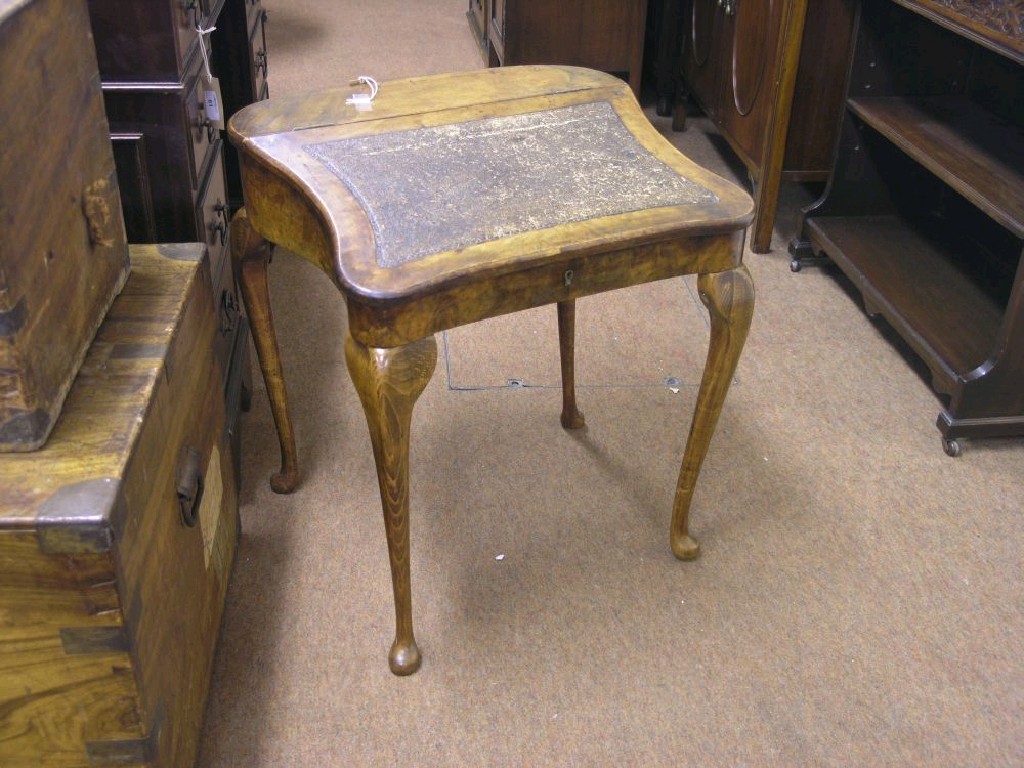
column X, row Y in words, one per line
column 466, row 196
column 428, row 190
column 524, row 164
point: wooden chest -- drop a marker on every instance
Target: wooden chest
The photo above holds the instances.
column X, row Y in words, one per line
column 63, row 256
column 117, row 538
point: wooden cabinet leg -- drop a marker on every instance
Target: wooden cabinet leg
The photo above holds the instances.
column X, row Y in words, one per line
column 572, row 418
column 679, row 110
column 729, row 297
column 766, row 203
column 388, row 382
column 250, row 254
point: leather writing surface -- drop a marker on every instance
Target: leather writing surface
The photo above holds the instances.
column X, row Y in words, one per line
column 436, row 189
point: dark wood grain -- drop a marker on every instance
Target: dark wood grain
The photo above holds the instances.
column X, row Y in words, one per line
column 602, row 34
column 819, row 91
column 977, row 154
column 924, row 211
column 997, row 24
column 912, row 280
column 240, row 60
column 770, row 74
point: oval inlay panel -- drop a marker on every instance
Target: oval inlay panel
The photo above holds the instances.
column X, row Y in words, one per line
column 750, row 51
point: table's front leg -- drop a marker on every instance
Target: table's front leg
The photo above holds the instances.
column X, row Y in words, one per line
column 388, row 382
column 572, row 417
column 250, row 254
column 729, row 297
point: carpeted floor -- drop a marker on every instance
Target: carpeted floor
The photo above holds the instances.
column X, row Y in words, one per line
column 857, row 601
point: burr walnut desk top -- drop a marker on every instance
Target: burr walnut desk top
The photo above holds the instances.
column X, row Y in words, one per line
column 465, row 196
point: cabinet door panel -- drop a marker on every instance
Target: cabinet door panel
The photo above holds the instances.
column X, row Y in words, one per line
column 603, row 41
column 751, row 50
column 542, row 32
column 134, row 182
column 753, row 33
column 698, row 56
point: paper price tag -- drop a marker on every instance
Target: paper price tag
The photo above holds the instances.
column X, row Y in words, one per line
column 212, row 101
column 362, row 102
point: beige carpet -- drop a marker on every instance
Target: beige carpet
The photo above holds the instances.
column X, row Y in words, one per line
column 858, row 599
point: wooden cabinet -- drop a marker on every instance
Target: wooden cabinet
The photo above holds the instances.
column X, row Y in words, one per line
column 149, row 41
column 166, row 148
column 240, row 61
column 601, row 34
column 117, row 538
column 925, row 209
column 179, row 181
column 770, row 75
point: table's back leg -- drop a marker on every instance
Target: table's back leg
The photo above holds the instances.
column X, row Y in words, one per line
column 250, row 254
column 572, row 418
column 388, row 382
column 729, row 297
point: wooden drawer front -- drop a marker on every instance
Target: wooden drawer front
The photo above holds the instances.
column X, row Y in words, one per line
column 258, row 52
column 229, row 315
column 496, row 28
column 186, row 16
column 212, row 213
column 237, row 395
column 117, row 593
column 254, row 11
column 63, row 256
column 202, row 134
column 478, row 13
column 145, row 41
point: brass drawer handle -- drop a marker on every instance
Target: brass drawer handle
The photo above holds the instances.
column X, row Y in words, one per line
column 192, row 7
column 220, row 227
column 230, row 312
column 204, row 122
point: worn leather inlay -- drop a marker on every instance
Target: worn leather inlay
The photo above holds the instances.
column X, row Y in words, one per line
column 429, row 190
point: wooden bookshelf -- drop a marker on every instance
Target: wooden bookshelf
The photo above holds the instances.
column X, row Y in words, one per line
column 979, row 155
column 924, row 210
column 914, row 281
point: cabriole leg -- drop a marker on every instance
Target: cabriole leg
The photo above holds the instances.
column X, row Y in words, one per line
column 250, row 254
column 729, row 297
column 388, row 382
column 572, row 418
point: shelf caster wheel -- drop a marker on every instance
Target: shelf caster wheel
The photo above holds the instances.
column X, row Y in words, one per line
column 952, row 447
column 795, row 265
